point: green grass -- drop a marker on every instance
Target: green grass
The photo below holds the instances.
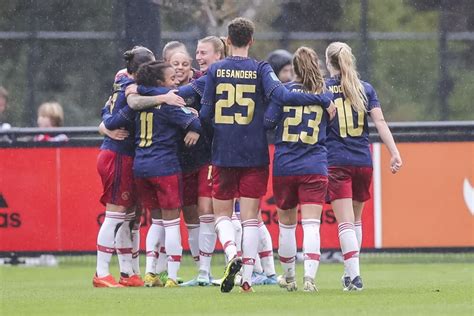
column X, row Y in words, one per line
column 422, row 288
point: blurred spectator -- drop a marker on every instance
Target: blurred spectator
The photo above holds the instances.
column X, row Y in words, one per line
column 3, row 107
column 50, row 114
column 280, row 60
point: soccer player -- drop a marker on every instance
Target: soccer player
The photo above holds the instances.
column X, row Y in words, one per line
column 234, row 97
column 349, row 158
column 115, row 168
column 156, row 165
column 300, row 169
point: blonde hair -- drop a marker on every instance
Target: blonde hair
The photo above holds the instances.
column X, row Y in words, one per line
column 341, row 58
column 218, row 43
column 173, row 46
column 306, row 65
column 54, row 111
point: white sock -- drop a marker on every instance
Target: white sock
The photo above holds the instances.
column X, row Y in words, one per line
column 152, row 244
column 193, row 239
column 257, row 267
column 226, row 234
column 287, row 249
column 358, row 230
column 174, row 250
column 249, row 248
column 162, row 261
column 238, row 233
column 350, row 249
column 136, row 251
column 207, row 242
column 265, row 250
column 311, row 247
column 123, row 245
column 106, row 241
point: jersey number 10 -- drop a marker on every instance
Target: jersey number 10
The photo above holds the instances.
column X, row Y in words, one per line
column 235, row 95
column 346, row 120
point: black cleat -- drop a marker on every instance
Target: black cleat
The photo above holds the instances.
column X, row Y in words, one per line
column 356, row 285
column 231, row 270
column 346, row 281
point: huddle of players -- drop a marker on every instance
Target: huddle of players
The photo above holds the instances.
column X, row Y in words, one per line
column 231, row 97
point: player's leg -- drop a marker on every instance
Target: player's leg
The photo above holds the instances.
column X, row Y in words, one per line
column 358, row 207
column 190, row 212
column 265, row 252
column 169, row 193
column 252, row 186
column 285, row 191
column 135, row 234
column 207, row 238
column 361, row 193
column 155, row 233
column 340, row 194
column 108, row 167
column 312, row 193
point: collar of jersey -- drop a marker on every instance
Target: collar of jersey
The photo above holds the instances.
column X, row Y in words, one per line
column 238, row 57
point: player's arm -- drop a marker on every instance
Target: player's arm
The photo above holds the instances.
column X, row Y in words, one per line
column 208, row 98
column 187, row 120
column 120, row 117
column 272, row 115
column 375, row 112
column 148, row 100
column 117, row 134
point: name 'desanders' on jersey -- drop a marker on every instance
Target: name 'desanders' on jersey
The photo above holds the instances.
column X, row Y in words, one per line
column 234, row 96
column 299, row 138
column 159, row 130
column 348, row 137
column 114, row 117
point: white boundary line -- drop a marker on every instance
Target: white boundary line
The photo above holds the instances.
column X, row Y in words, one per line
column 377, row 195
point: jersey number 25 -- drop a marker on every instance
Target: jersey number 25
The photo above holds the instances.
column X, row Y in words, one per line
column 235, row 94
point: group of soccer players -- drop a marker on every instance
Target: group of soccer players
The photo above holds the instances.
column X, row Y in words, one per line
column 178, row 138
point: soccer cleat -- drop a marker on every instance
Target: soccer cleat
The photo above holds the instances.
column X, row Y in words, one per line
column 171, row 283
column 291, row 285
column 271, row 280
column 192, row 282
column 281, row 280
column 132, row 281
column 356, row 285
column 164, row 277
column 107, row 281
column 233, row 266
column 345, row 280
column 203, row 279
column 309, row 285
column 217, row 282
column 152, row 280
column 246, row 288
column 258, row 278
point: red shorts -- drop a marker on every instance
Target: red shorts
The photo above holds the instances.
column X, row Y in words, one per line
column 116, row 173
column 160, row 192
column 229, row 182
column 349, row 182
column 305, row 189
column 196, row 184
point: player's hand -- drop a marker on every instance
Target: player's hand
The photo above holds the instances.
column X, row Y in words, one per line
column 331, row 110
column 191, row 138
column 193, row 110
column 117, row 134
column 395, row 163
column 172, row 98
column 131, row 89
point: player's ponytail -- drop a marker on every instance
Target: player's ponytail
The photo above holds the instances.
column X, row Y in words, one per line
column 152, row 74
column 341, row 58
column 137, row 56
column 217, row 43
column 306, row 66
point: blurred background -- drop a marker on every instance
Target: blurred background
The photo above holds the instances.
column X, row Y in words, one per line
column 418, row 54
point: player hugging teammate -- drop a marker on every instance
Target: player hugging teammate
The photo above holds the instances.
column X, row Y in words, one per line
column 223, row 155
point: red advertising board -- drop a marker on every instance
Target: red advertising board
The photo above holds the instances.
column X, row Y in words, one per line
column 49, row 201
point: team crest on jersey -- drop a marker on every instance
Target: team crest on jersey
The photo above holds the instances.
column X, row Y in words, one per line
column 126, row 196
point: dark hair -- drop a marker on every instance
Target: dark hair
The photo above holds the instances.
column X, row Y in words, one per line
column 240, row 31
column 278, row 59
column 137, row 56
column 149, row 73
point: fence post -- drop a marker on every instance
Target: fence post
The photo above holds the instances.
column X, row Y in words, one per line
column 444, row 84
column 29, row 110
column 142, row 24
column 364, row 37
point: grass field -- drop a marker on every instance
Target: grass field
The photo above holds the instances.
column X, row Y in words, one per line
column 412, row 285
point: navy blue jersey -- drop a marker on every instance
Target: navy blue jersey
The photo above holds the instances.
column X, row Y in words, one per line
column 190, row 158
column 348, row 137
column 299, row 138
column 236, row 92
column 114, row 118
column 158, row 133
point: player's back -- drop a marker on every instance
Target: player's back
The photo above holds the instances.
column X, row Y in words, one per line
column 239, row 137
column 348, row 136
column 299, row 138
column 117, row 103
